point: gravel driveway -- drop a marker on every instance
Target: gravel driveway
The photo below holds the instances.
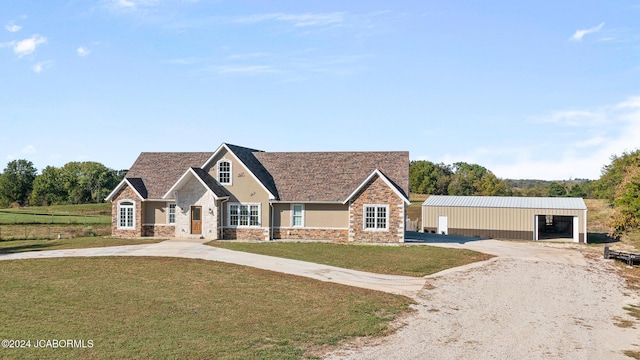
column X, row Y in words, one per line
column 533, row 301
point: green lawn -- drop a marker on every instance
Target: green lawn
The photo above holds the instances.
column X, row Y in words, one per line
column 397, row 260
column 58, row 214
column 181, row 308
column 14, row 246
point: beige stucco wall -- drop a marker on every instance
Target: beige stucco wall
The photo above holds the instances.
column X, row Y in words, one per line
column 330, row 216
column 155, row 212
column 244, row 188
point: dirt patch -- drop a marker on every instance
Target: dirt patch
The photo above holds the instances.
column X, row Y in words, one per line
column 516, row 308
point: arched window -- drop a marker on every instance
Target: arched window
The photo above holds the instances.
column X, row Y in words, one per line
column 126, row 214
column 224, row 172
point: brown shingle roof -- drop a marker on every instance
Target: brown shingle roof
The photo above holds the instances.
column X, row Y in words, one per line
column 160, row 170
column 331, row 176
column 289, row 176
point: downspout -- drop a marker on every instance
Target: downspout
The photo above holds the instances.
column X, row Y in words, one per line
column 271, row 221
column 222, row 218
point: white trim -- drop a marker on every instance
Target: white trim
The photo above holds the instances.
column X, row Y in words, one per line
column 182, row 181
column 175, row 208
column 584, row 225
column 377, row 172
column 119, row 214
column 230, row 171
column 376, row 207
column 153, row 224
column 224, row 146
column 292, row 215
column 307, row 202
column 307, row 228
column 119, row 187
column 259, row 205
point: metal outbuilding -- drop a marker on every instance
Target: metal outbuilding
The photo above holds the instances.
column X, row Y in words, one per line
column 504, row 217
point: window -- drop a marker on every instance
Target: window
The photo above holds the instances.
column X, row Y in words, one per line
column 297, row 215
column 126, row 215
column 224, row 172
column 376, row 217
column 244, row 215
column 171, row 217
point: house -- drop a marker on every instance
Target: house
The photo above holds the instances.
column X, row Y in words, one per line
column 247, row 194
column 502, row 217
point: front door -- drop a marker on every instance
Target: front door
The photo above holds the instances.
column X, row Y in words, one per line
column 196, row 219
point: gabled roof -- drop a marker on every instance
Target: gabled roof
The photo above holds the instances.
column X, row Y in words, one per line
column 506, row 202
column 331, row 176
column 159, row 171
column 135, row 183
column 393, row 186
column 247, row 157
column 286, row 176
column 204, row 178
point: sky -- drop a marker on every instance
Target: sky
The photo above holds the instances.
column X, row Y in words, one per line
column 528, row 89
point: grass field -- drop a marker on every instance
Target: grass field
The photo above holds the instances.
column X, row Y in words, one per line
column 181, row 308
column 58, row 214
column 397, row 260
column 15, row 246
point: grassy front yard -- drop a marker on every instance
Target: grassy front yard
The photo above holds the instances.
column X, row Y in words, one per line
column 396, row 260
column 180, row 308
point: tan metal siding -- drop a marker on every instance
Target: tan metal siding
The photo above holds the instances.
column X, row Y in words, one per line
column 502, row 219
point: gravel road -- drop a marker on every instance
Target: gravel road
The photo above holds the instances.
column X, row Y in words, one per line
column 533, row 301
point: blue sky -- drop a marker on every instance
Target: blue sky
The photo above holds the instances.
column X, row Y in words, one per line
column 528, row 89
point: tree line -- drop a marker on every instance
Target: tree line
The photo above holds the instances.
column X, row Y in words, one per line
column 619, row 184
column 73, row 183
column 460, row 178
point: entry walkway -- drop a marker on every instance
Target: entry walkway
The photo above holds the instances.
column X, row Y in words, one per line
column 401, row 285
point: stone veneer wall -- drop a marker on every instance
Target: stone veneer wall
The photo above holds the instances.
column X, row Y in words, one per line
column 246, row 234
column 376, row 192
column 128, row 194
column 194, row 194
column 164, row 231
column 336, row 235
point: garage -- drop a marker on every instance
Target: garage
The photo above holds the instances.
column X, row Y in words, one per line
column 503, row 217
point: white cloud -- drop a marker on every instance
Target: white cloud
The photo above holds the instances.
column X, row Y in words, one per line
column 296, row 19
column 575, row 118
column 248, row 69
column 11, row 27
column 41, row 66
column 579, row 34
column 83, row 51
column 28, row 46
column 27, row 150
column 565, row 144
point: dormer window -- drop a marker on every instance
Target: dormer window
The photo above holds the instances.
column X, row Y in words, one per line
column 224, row 172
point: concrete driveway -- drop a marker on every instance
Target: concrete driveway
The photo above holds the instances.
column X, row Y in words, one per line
column 395, row 284
column 401, row 285
column 566, row 253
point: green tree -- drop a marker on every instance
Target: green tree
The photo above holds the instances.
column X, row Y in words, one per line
column 16, row 182
column 88, row 181
column 614, row 173
column 556, row 189
column 48, row 188
column 426, row 177
column 473, row 179
column 577, row 191
column 626, row 214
